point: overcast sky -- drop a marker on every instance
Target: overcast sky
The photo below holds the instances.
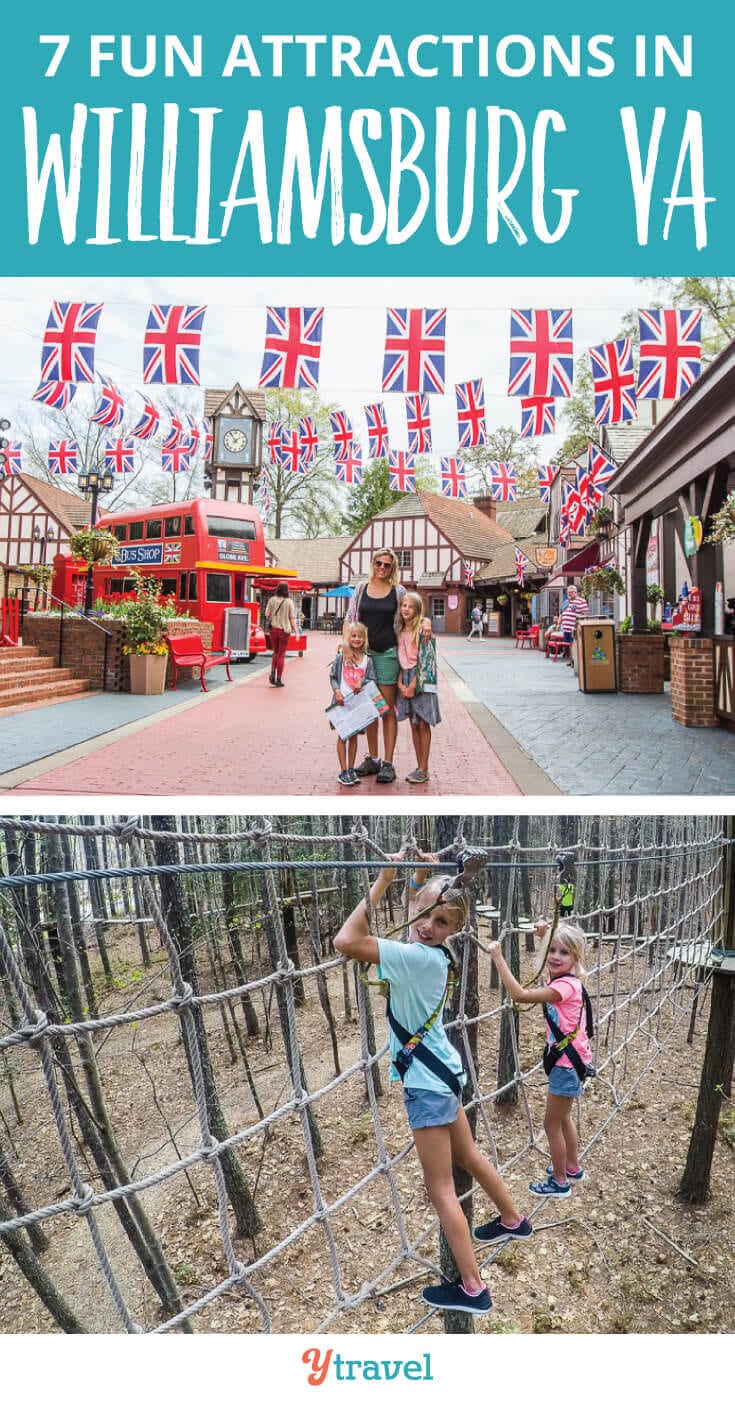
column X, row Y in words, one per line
column 352, row 341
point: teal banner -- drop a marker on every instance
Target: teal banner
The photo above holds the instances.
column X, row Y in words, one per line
column 426, row 140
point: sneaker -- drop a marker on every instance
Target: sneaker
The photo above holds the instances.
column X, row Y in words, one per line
column 346, row 779
column 418, row 776
column 453, row 1296
column 577, row 1176
column 355, row 775
column 550, row 1188
column 368, row 766
column 387, row 773
column 494, row 1231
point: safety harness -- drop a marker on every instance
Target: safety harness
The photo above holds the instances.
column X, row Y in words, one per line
column 562, row 1043
column 412, row 1044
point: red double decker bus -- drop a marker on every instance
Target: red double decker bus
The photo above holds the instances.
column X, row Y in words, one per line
column 207, row 555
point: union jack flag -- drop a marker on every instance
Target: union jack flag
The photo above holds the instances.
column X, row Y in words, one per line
column 565, row 534
column 415, row 351
column 377, row 428
column 292, row 451
column 600, row 472
column 207, row 439
column 341, row 433
column 522, row 563
column 349, row 468
column 176, row 435
column 418, row 423
column 172, row 552
column 614, row 381
column 62, row 457
column 110, row 411
column 55, row 394
column 275, row 443
column 176, row 458
column 574, row 508
column 538, row 416
column 469, row 576
column 503, row 484
column 545, row 478
column 120, row 454
column 541, row 354
column 171, row 344
column 584, row 488
column 69, row 342
column 671, row 352
column 454, row 482
column 309, row 439
column 194, row 434
column 471, row 425
column 293, row 343
column 12, row 467
column 149, row 421
column 400, row 467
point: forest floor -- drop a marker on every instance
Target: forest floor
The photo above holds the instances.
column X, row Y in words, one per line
column 621, row 1255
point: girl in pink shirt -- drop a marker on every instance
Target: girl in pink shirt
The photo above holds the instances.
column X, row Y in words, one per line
column 563, row 994
column 417, row 677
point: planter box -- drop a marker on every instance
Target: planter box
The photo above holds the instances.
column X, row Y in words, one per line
column 147, row 675
column 693, row 682
column 640, row 662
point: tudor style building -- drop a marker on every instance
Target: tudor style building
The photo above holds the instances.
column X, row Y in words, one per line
column 36, row 520
column 435, row 538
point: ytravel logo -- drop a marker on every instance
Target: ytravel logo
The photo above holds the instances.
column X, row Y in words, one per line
column 323, row 1364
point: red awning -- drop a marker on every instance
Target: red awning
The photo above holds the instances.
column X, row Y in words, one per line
column 586, row 559
column 298, row 585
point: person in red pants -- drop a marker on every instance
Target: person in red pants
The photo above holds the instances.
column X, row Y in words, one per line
column 281, row 615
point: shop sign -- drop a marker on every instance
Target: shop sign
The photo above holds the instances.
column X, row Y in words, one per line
column 452, row 601
column 546, row 556
column 692, row 535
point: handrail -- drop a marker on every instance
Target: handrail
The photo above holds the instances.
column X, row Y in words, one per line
column 65, row 607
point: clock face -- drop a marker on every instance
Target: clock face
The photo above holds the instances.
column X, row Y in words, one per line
column 234, row 440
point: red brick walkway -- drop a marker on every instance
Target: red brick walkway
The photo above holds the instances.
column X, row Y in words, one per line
column 252, row 739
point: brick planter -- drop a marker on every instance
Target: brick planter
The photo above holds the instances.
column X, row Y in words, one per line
column 640, row 662
column 83, row 647
column 693, row 681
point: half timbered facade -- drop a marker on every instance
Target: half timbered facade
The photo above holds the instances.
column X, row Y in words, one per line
column 36, row 520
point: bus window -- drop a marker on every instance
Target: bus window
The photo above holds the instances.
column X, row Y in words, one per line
column 189, row 528
column 192, row 588
column 238, row 590
column 168, row 586
column 219, row 588
column 182, row 585
column 231, row 529
column 153, row 530
column 136, row 530
column 116, row 586
column 120, row 532
column 172, row 526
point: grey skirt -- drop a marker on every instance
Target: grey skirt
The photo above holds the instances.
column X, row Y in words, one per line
column 422, row 707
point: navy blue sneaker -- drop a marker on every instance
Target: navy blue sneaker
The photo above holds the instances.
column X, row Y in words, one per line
column 453, row 1296
column 577, row 1176
column 494, row 1231
column 550, row 1188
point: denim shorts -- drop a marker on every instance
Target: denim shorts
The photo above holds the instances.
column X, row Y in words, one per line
column 428, row 1109
column 565, row 1081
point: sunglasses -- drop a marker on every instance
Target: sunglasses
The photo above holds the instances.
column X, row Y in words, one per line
column 383, row 563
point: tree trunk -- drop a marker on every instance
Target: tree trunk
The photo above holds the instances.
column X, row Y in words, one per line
column 716, row 1071
column 30, row 1266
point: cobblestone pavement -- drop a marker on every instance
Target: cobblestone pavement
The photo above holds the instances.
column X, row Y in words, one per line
column 591, row 743
column 243, row 739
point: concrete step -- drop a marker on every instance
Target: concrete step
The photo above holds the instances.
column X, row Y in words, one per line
column 40, row 675
column 44, row 691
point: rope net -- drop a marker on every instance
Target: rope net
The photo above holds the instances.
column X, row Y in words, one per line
column 196, row 1132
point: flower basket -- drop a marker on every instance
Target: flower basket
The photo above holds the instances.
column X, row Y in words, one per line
column 94, row 546
column 604, row 579
column 722, row 523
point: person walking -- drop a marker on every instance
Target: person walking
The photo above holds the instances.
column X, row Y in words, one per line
column 476, row 621
column 574, row 609
column 377, row 604
column 281, row 615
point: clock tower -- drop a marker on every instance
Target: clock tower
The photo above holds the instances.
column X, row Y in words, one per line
column 237, row 417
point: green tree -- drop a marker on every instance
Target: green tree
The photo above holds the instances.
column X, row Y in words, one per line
column 503, row 445
column 373, row 494
column 304, row 504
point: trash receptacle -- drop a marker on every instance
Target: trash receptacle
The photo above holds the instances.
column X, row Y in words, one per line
column 596, row 655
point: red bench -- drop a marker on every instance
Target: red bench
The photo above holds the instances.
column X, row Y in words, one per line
column 557, row 646
column 527, row 635
column 189, row 650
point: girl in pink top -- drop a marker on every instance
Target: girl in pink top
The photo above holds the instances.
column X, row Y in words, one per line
column 564, row 962
column 417, row 697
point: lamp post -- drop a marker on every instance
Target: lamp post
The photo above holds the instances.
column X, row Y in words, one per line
column 4, row 426
column 92, row 482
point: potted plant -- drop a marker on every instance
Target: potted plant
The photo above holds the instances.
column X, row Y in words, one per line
column 602, row 521
column 604, row 579
column 722, row 523
column 145, row 626
column 502, row 599
column 93, row 545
